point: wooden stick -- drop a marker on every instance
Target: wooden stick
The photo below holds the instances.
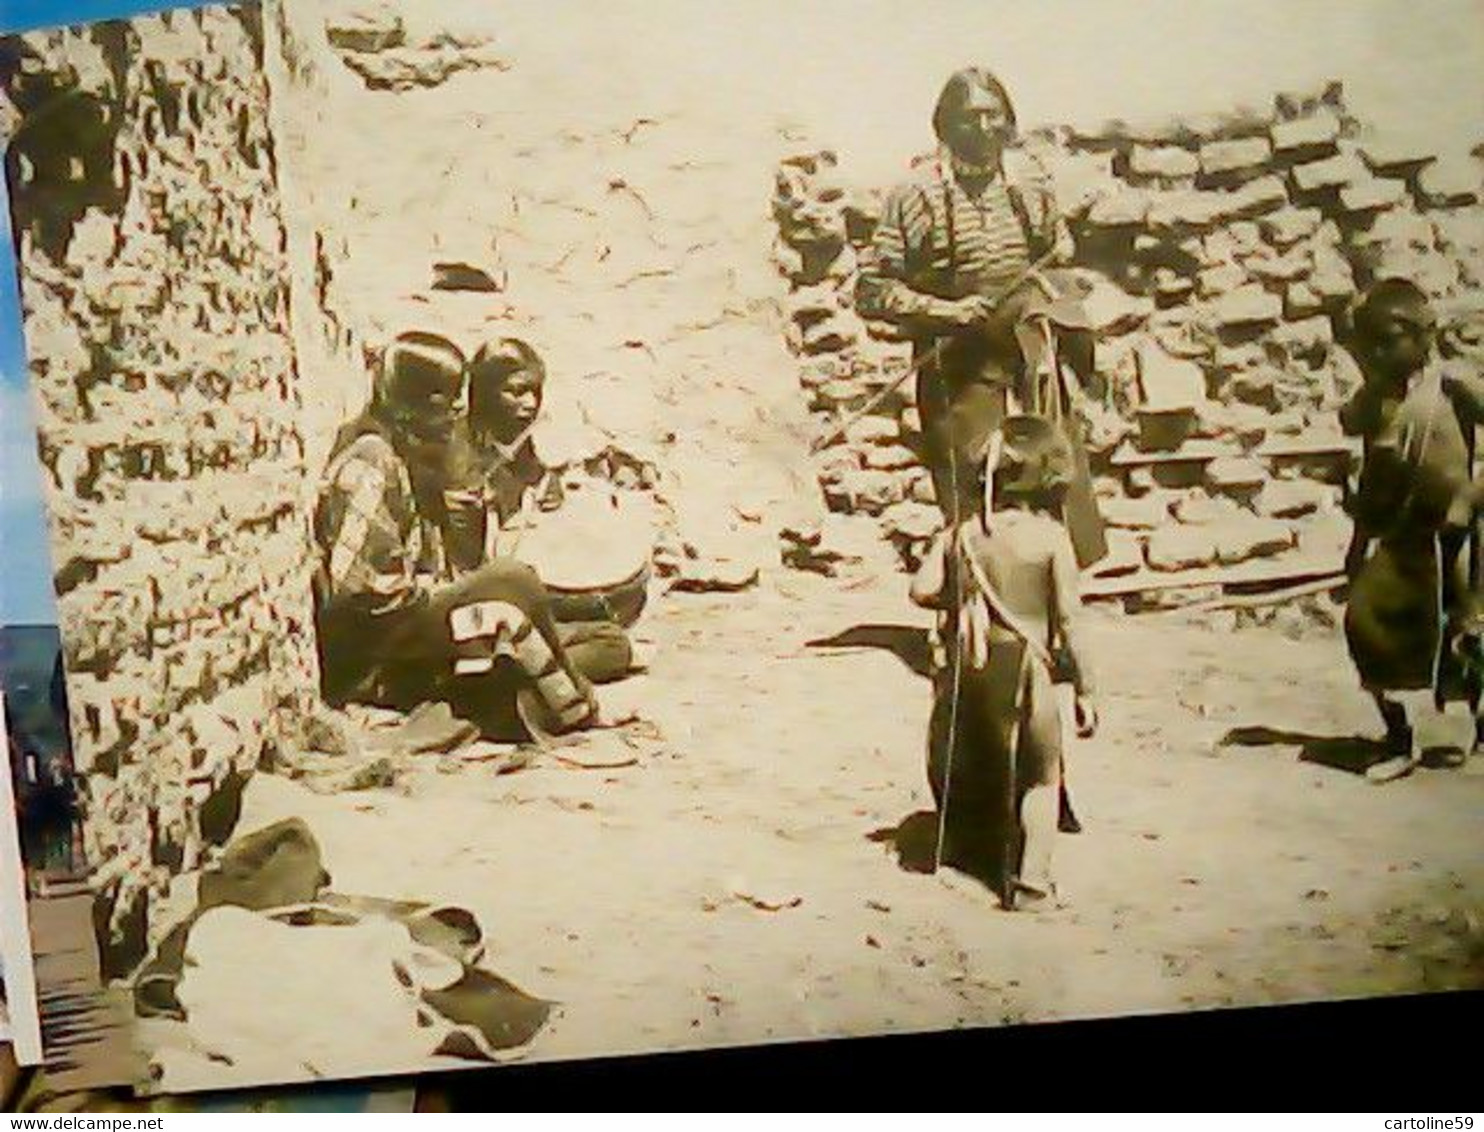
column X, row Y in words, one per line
column 1253, row 601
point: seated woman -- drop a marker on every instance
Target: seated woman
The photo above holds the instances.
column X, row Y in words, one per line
column 507, row 387
column 500, row 487
column 393, row 629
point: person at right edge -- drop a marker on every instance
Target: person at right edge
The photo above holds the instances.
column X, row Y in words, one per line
column 951, row 267
column 1413, row 618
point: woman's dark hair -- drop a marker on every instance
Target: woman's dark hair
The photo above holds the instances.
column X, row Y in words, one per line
column 497, row 360
column 420, row 347
column 955, row 97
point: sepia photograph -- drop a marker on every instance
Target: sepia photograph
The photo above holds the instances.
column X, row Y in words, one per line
column 592, row 530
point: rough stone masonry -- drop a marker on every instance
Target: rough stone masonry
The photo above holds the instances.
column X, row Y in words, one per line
column 1218, row 258
column 155, row 295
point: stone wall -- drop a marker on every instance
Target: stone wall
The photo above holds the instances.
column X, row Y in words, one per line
column 154, row 285
column 1218, row 259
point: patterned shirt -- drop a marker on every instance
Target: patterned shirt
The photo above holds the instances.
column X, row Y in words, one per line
column 370, row 536
column 936, row 242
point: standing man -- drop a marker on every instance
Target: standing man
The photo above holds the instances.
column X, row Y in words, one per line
column 394, row 630
column 948, row 246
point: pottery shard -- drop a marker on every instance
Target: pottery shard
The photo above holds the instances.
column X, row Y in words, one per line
column 870, row 491
column 1398, row 228
column 1332, row 278
column 1254, row 387
column 842, row 394
column 809, row 305
column 1252, row 538
column 715, row 575
column 1176, row 597
column 1433, row 272
column 1233, row 359
column 1172, row 286
column 1111, row 310
column 1181, row 548
column 1246, row 424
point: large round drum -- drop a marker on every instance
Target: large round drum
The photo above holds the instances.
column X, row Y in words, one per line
column 593, row 553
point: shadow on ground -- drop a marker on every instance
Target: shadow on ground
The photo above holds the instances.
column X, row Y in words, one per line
column 915, row 839
column 907, row 643
column 1350, row 753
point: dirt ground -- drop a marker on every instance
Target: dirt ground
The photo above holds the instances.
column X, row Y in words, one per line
column 740, row 879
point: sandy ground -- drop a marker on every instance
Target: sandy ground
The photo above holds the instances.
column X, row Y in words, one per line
column 1208, row 875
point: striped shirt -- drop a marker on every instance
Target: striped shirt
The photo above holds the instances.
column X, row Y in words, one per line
column 937, row 242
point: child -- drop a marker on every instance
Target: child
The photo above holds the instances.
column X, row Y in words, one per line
column 1006, row 582
column 1409, row 593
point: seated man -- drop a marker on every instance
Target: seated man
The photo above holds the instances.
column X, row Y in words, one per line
column 1006, row 581
column 392, row 630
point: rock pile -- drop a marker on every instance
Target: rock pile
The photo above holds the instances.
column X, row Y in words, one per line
column 1218, row 259
column 874, row 466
